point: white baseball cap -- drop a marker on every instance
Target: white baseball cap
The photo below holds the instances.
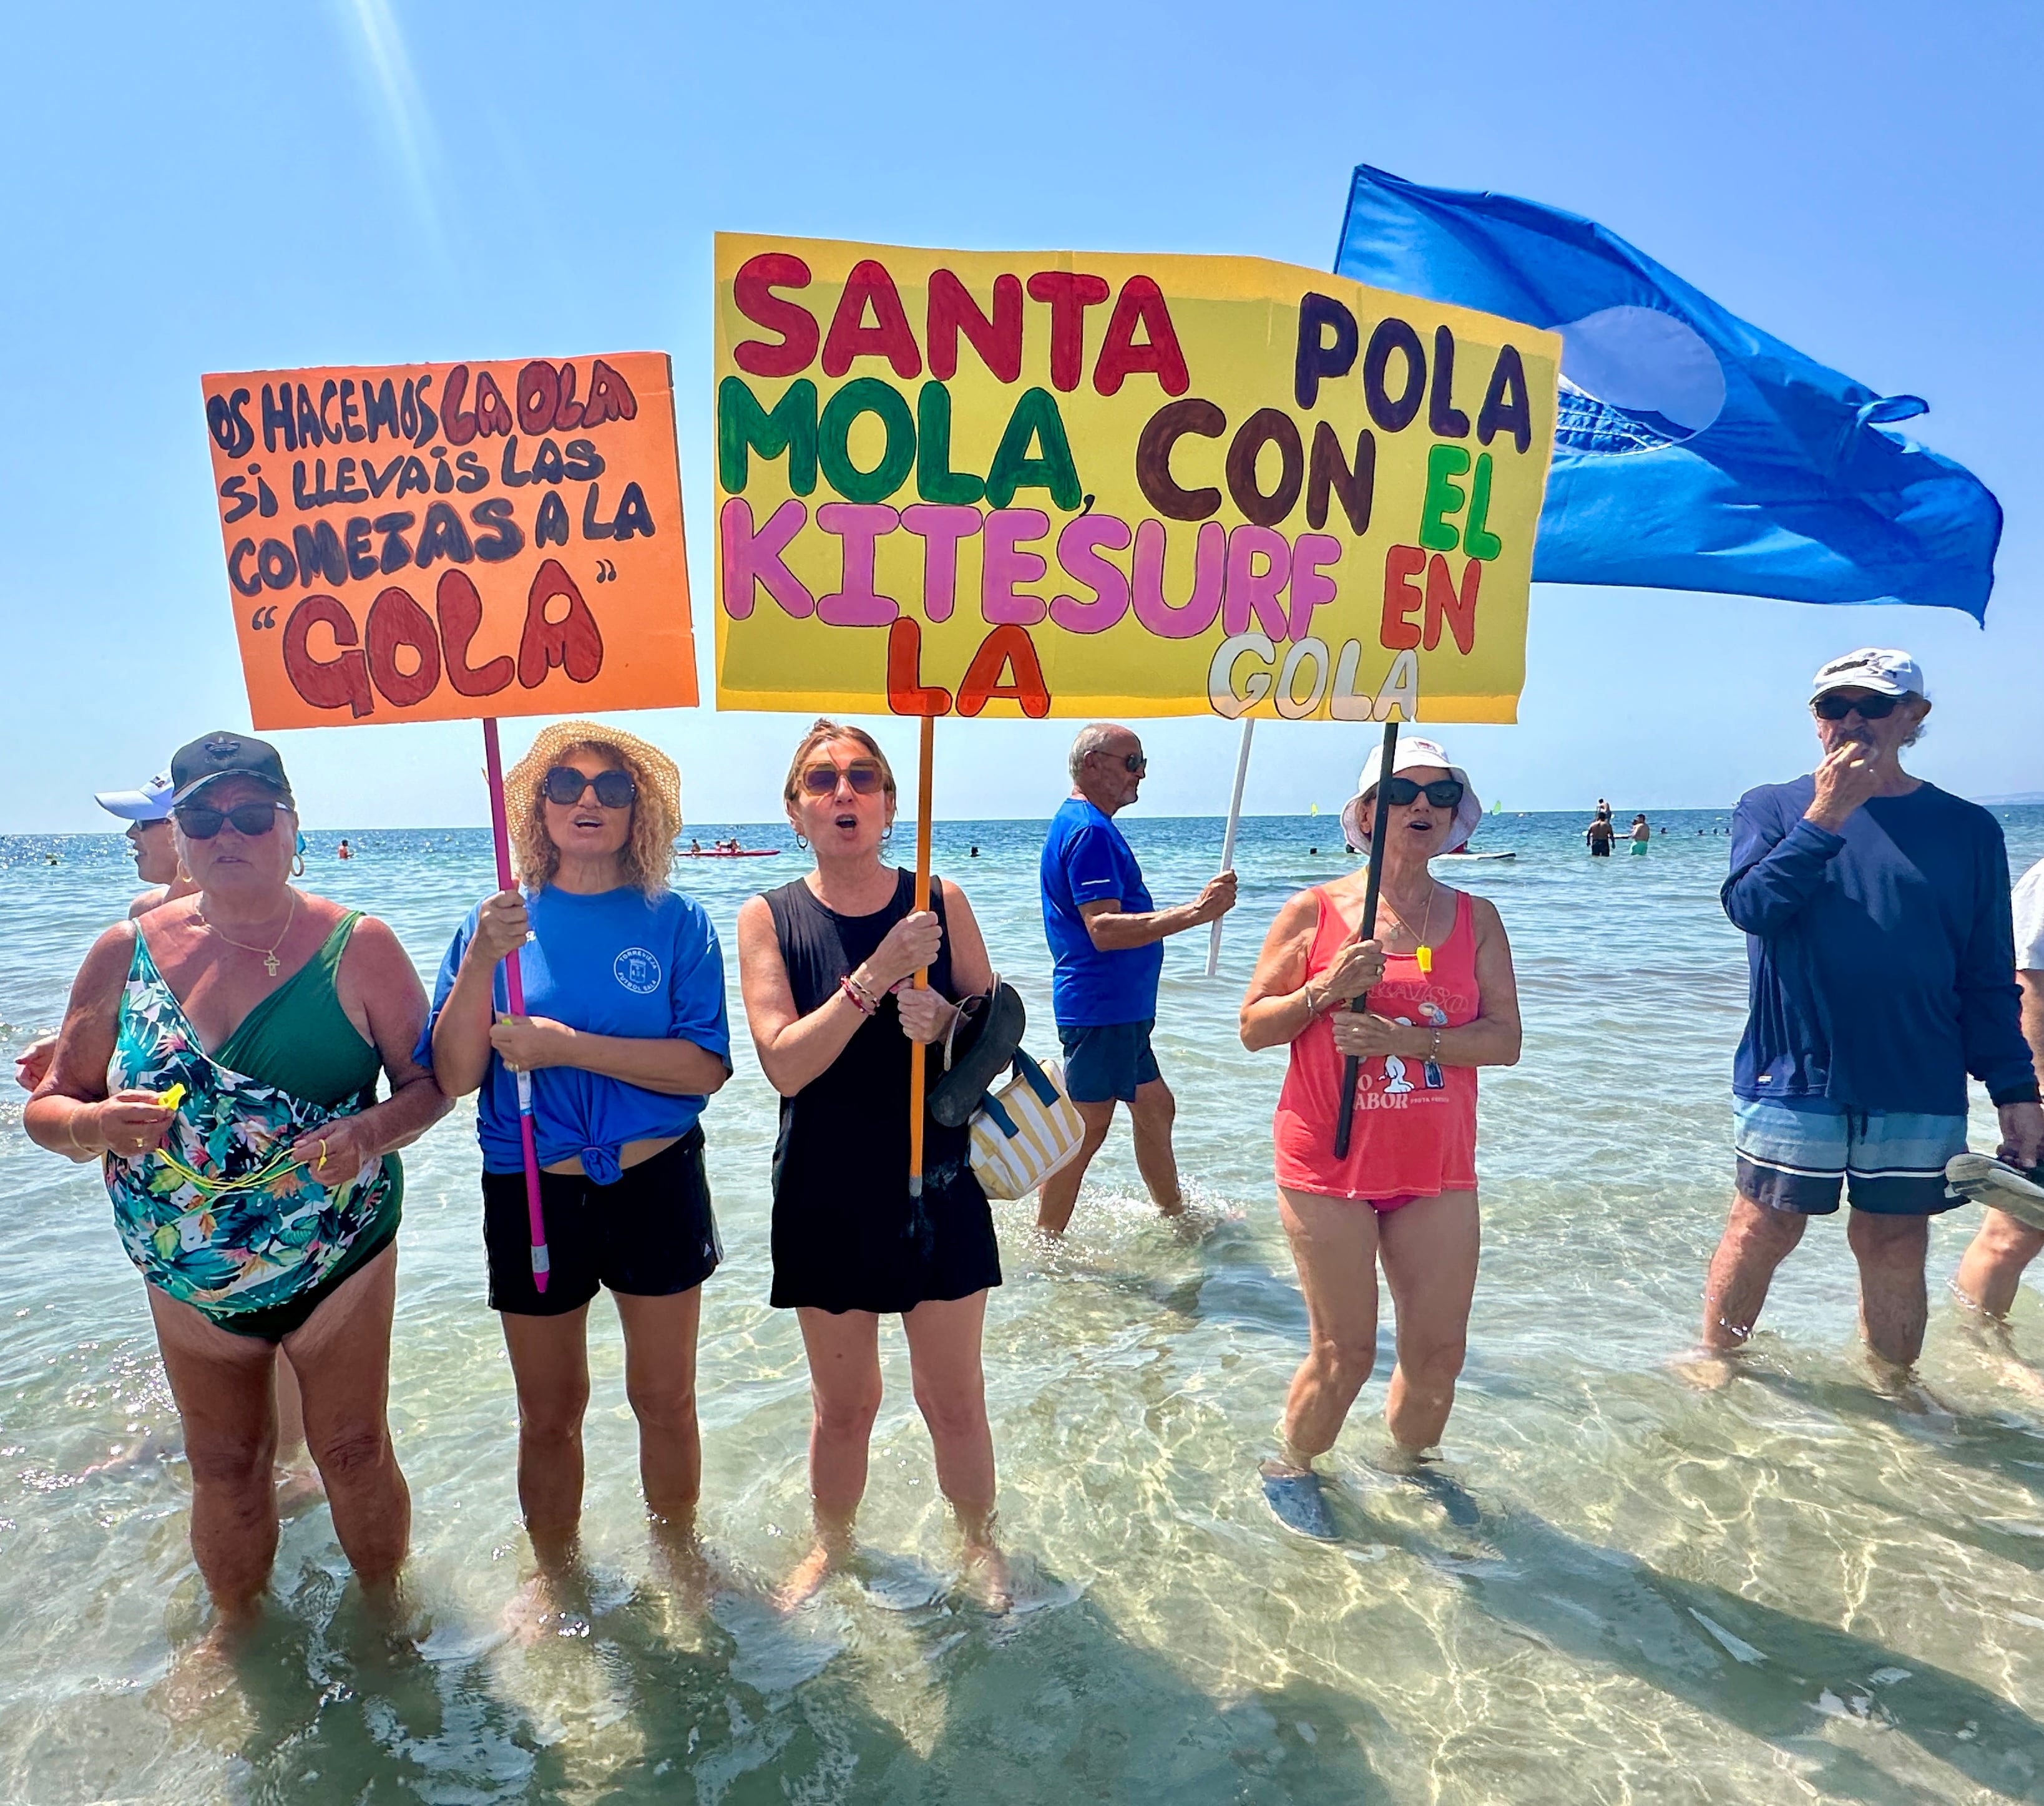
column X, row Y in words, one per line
column 1881, row 669
column 1357, row 821
column 151, row 803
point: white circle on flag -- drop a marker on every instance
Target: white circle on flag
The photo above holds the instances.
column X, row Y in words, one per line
column 1647, row 363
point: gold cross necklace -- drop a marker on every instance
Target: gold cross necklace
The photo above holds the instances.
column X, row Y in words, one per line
column 270, row 962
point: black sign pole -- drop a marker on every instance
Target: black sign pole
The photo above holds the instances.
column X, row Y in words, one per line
column 1354, row 1066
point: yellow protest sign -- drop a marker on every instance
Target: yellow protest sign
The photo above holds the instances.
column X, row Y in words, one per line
column 445, row 542
column 1074, row 484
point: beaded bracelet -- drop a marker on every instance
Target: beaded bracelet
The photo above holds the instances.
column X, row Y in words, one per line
column 860, row 1001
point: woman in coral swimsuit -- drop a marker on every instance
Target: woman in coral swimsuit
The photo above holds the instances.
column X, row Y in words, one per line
column 1443, row 1001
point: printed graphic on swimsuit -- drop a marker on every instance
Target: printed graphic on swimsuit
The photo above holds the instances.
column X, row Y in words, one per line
column 437, row 542
column 1083, row 485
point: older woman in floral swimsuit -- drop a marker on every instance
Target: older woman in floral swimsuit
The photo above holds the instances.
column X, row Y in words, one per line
column 219, row 1057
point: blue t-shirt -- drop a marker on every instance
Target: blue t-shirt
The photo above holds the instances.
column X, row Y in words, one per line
column 615, row 964
column 1085, row 860
column 1881, row 957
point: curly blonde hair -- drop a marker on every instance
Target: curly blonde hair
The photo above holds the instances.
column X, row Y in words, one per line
column 648, row 852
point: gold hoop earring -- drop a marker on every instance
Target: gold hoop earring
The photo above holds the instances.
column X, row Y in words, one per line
column 298, row 864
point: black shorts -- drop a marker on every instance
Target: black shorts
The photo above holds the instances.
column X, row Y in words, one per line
column 651, row 1235
column 1107, row 1060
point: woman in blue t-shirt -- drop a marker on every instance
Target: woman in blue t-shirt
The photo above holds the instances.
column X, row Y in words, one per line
column 623, row 1039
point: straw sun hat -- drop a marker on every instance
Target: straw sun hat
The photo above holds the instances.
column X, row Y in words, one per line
column 1357, row 820
column 656, row 767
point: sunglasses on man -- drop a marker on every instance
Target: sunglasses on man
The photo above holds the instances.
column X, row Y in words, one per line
column 1135, row 764
column 1402, row 793
column 1832, row 706
column 251, row 821
column 862, row 774
column 614, row 790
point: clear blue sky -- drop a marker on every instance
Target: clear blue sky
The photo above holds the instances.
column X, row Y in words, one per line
column 244, row 186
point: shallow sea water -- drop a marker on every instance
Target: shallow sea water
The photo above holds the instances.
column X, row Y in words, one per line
column 1790, row 1589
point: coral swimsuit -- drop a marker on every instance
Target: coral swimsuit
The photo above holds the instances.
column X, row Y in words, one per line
column 1415, row 1128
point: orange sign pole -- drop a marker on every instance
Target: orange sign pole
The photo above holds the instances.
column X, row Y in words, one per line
column 917, row 1052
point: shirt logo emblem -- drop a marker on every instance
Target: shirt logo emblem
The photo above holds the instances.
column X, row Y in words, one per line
column 637, row 971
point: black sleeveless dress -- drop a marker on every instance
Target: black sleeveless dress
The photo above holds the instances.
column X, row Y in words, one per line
column 846, row 1235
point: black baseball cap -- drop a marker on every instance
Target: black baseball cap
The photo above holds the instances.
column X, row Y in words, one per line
column 223, row 755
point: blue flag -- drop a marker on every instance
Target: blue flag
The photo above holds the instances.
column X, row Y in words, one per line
column 1692, row 451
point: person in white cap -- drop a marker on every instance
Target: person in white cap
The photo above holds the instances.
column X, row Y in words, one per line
column 1443, row 1001
column 146, row 811
column 1875, row 908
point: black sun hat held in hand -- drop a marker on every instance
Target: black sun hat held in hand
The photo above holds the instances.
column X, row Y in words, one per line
column 981, row 1047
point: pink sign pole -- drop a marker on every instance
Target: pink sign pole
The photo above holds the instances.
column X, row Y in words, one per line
column 514, row 988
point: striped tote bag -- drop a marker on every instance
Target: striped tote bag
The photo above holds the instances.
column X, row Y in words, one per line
column 1024, row 1132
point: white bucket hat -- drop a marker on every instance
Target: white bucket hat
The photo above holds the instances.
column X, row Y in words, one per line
column 1357, row 820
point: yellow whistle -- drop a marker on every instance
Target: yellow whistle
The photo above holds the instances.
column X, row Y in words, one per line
column 170, row 1099
column 1426, row 956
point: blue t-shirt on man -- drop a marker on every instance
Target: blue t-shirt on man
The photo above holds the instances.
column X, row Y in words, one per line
column 1085, row 860
column 618, row 962
column 1881, row 957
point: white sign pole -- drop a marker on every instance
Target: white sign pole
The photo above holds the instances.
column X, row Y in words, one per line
column 1227, row 840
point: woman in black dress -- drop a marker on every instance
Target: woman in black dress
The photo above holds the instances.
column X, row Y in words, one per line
column 825, row 963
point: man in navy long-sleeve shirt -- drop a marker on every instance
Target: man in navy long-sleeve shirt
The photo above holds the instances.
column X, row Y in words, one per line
column 1877, row 912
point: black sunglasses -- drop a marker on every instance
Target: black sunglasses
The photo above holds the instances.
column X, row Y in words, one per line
column 614, row 790
column 1135, row 763
column 250, row 820
column 1443, row 792
column 1832, row 706
column 862, row 774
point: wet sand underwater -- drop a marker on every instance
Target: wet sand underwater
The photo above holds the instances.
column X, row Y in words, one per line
column 1791, row 1588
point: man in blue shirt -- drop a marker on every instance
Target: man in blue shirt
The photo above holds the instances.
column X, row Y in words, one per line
column 1882, row 961
column 1105, row 936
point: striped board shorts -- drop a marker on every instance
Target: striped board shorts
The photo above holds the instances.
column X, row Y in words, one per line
column 1796, row 1153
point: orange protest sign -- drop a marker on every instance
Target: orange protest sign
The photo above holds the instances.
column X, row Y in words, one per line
column 445, row 542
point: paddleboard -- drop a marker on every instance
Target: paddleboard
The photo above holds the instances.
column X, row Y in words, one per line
column 746, row 853
column 1476, row 855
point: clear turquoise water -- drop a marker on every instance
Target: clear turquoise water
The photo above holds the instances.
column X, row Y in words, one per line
column 1791, row 1589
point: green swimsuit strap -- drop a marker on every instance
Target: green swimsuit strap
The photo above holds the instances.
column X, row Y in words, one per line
column 300, row 1040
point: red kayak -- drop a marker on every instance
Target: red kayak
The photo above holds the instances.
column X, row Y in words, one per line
column 734, row 853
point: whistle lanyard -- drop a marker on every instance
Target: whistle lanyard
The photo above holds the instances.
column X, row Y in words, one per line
column 206, row 1184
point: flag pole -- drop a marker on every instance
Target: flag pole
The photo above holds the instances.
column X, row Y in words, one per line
column 917, row 1050
column 1351, row 1066
column 1227, row 839
column 514, row 986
